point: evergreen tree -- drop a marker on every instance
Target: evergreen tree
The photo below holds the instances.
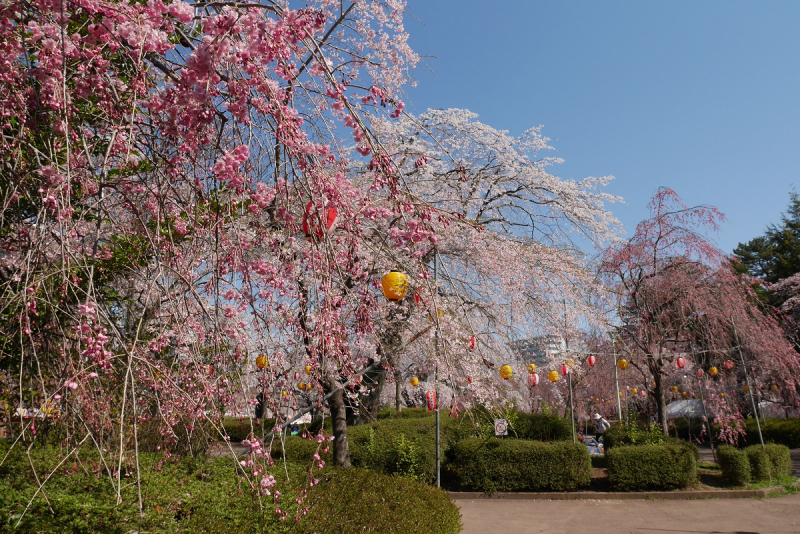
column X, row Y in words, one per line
column 776, row 254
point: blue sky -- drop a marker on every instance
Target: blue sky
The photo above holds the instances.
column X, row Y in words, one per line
column 699, row 96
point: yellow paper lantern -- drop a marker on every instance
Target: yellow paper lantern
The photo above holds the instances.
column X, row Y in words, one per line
column 283, row 393
column 683, row 393
column 506, row 371
column 262, row 362
column 552, row 376
column 622, row 364
column 301, row 386
column 531, row 368
column 745, row 389
column 722, row 395
column 774, row 387
column 308, row 369
column 395, row 285
column 634, row 391
column 414, row 381
column 713, row 371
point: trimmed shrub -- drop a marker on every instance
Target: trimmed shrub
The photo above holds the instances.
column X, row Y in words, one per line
column 651, row 467
column 405, row 413
column 772, row 462
column 518, row 465
column 239, row 429
column 735, row 465
column 635, row 434
column 541, row 427
column 357, row 500
column 760, row 468
column 402, row 446
column 781, row 431
column 300, row 450
column 207, row 495
column 780, row 459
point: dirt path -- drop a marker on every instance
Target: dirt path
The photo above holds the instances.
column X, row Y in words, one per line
column 735, row 516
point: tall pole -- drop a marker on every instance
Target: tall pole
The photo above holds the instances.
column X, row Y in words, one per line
column 571, row 403
column 747, row 380
column 616, row 377
column 569, row 374
column 436, row 370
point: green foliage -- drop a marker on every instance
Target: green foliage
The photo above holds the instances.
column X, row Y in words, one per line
column 775, row 255
column 239, row 428
column 769, row 463
column 542, row 427
column 651, row 467
column 209, row 495
column 299, row 450
column 357, row 500
column 405, row 413
column 734, row 464
column 782, row 431
column 635, row 434
column 402, row 446
column 517, row 465
column 479, row 422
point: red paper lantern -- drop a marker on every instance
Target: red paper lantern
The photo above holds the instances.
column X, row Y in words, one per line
column 430, row 396
column 469, row 379
column 417, row 298
column 642, row 393
column 591, row 360
column 681, row 361
column 728, row 365
column 472, row 343
column 700, row 373
column 317, row 224
column 533, row 380
column 564, row 370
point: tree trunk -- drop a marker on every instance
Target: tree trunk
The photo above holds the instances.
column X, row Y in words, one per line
column 371, row 402
column 398, row 401
column 341, row 449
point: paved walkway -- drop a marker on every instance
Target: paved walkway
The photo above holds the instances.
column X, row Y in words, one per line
column 779, row 515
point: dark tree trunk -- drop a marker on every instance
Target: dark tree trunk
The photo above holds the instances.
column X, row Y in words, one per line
column 398, row 401
column 371, row 402
column 661, row 402
column 341, row 449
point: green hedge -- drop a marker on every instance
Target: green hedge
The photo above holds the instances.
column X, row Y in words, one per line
column 517, row 465
column 541, row 427
column 651, row 467
column 771, row 462
column 734, row 464
column 742, row 466
column 357, row 500
column 207, row 495
column 238, row 428
column 635, row 434
column 781, row 431
column 402, row 446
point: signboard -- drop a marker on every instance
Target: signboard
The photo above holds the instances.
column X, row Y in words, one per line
column 431, row 398
column 500, row 427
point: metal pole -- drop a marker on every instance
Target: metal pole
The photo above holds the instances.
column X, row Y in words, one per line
column 616, row 377
column 571, row 404
column 749, row 387
column 436, row 371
